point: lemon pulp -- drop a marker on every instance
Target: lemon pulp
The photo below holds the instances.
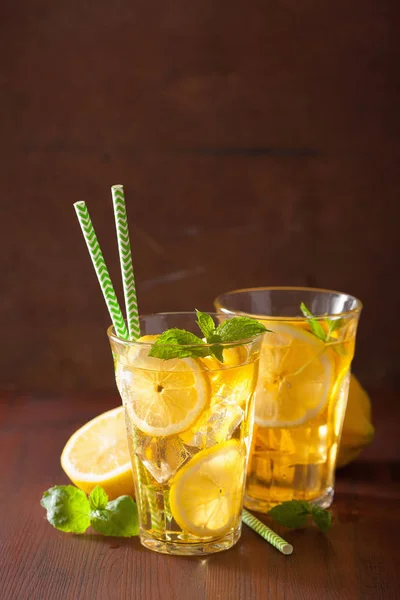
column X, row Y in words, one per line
column 97, row 454
column 295, row 379
column 162, row 397
column 206, row 494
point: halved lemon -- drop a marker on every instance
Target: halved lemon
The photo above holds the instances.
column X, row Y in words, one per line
column 162, row 397
column 206, row 494
column 295, row 377
column 97, row 454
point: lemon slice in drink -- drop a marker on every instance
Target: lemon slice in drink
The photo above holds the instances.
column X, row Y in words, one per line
column 295, row 378
column 206, row 494
column 162, row 397
column 97, row 454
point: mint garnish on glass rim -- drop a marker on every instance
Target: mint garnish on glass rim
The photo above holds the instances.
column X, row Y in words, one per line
column 316, row 327
column 179, row 343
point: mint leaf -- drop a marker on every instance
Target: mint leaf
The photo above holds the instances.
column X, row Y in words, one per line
column 239, row 328
column 333, row 324
column 293, row 513
column 322, row 518
column 319, row 331
column 178, row 343
column 118, row 518
column 315, row 325
column 205, row 323
column 207, row 327
column 67, row 508
column 216, row 349
column 98, row 498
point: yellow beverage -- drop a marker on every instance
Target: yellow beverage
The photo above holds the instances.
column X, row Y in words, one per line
column 300, row 397
column 300, row 403
column 189, row 424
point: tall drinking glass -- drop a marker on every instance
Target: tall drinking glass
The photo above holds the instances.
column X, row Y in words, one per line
column 302, row 390
column 189, row 423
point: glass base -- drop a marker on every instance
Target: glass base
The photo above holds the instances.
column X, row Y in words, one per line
column 326, row 499
column 263, row 506
column 185, row 548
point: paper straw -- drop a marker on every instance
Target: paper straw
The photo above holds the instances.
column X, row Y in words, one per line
column 146, row 496
column 155, row 514
column 142, row 501
column 147, row 493
column 167, row 507
column 270, row 536
column 124, row 247
column 101, row 270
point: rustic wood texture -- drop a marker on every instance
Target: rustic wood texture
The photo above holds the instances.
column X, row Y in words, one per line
column 356, row 559
column 258, row 143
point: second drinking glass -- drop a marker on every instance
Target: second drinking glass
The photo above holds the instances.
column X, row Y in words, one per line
column 301, row 394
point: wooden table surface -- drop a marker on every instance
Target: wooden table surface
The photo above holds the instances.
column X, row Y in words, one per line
column 356, row 559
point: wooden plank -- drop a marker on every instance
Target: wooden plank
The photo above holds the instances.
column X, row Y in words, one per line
column 355, row 559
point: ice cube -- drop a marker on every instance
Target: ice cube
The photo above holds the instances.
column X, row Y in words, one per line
column 162, row 457
column 296, row 445
column 216, row 425
column 232, row 386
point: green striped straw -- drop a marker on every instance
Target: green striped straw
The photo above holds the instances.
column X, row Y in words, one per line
column 167, row 507
column 272, row 538
column 156, row 519
column 124, row 247
column 146, row 494
column 132, row 313
column 142, row 489
column 147, row 497
column 112, row 302
column 101, row 270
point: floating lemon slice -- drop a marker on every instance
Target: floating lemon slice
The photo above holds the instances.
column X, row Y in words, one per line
column 295, row 378
column 97, row 454
column 162, row 397
column 206, row 494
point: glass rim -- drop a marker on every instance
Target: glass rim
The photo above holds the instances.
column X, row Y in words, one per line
column 282, row 288
column 112, row 335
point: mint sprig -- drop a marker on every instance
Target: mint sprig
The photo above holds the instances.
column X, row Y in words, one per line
column 296, row 513
column 69, row 509
column 315, row 325
column 319, row 331
column 179, row 343
column 206, row 324
column 240, row 328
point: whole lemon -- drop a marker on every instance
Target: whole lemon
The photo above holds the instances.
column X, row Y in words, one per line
column 358, row 430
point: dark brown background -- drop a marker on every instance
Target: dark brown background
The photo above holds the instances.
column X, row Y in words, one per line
column 258, row 143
